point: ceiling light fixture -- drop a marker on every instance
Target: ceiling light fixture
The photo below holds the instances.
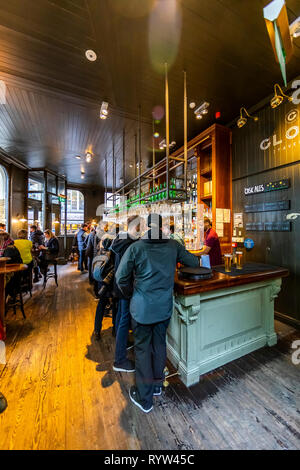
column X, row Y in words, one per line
column 163, row 145
column 78, row 157
column 104, row 110
column 192, row 105
column 278, row 98
column 202, row 110
column 243, row 119
column 88, row 157
column 91, row 55
column 295, row 28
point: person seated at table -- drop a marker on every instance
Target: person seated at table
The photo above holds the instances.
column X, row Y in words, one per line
column 5, row 241
column 49, row 251
column 25, row 247
column 14, row 256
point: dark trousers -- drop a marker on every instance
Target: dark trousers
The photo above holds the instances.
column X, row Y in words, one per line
column 123, row 322
column 102, row 304
column 82, row 261
column 90, row 264
column 150, row 358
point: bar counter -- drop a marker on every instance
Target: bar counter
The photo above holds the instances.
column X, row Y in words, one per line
column 221, row 319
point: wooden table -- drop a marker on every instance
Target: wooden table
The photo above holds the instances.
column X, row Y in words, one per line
column 7, row 269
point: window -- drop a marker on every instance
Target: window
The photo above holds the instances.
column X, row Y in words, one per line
column 3, row 195
column 109, row 200
column 75, row 210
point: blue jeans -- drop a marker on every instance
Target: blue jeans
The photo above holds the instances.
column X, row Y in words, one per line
column 102, row 304
column 82, row 261
column 123, row 323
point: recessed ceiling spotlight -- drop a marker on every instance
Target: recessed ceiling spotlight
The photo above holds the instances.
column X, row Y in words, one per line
column 82, row 176
column 88, row 157
column 192, row 105
column 198, row 116
column 130, row 166
column 78, row 157
column 91, row 55
column 104, row 110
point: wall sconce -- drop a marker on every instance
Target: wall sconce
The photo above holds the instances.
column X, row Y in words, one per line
column 243, row 119
column 278, row 98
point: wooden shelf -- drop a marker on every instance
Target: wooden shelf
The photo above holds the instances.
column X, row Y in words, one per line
column 208, row 196
column 206, row 173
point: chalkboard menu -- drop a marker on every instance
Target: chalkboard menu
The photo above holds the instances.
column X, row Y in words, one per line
column 268, row 206
column 268, row 227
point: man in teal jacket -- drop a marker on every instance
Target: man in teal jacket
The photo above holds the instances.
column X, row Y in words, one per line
column 146, row 274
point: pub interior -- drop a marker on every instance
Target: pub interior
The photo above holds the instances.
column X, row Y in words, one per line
column 149, row 225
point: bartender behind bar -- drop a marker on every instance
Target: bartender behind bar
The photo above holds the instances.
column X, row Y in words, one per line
column 211, row 244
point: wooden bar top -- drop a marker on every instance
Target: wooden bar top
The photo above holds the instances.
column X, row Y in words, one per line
column 222, row 281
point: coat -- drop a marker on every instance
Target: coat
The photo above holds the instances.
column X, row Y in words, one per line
column 147, row 272
column 119, row 246
column 81, row 239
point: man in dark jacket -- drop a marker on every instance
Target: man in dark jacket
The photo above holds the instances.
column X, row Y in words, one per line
column 82, row 244
column 38, row 239
column 151, row 262
column 123, row 321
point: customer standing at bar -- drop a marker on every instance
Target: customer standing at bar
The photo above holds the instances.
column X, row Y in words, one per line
column 211, row 244
column 82, row 244
column 146, row 273
column 120, row 245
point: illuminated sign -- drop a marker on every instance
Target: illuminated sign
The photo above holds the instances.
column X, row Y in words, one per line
column 267, row 187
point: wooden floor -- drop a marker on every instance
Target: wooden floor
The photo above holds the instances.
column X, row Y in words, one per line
column 63, row 394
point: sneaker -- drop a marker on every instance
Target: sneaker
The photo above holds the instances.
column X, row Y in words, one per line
column 134, row 398
column 127, row 366
column 157, row 391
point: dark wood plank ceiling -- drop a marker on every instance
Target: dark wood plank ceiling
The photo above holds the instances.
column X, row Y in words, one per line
column 54, row 93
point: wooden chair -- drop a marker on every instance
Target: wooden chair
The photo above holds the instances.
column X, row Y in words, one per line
column 50, row 274
column 14, row 290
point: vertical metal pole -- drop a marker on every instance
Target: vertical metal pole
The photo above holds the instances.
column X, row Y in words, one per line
column 66, row 208
column 105, row 197
column 167, row 129
column 45, row 198
column 114, row 175
column 124, row 162
column 185, row 130
column 135, row 160
column 153, row 154
column 140, row 148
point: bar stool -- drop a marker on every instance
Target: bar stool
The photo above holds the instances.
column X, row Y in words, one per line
column 50, row 274
column 14, row 289
column 26, row 280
